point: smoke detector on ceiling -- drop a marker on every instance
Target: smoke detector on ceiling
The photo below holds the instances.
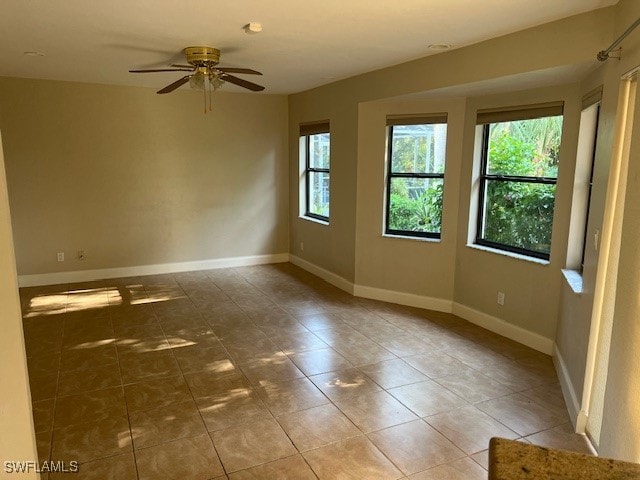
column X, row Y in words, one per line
column 253, row 27
column 439, row 46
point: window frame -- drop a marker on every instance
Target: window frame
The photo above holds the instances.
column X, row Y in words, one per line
column 306, row 131
column 515, row 114
column 590, row 189
column 404, row 121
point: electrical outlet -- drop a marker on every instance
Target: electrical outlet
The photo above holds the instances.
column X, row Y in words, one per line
column 302, row 246
column 61, row 256
column 500, row 298
column 81, row 255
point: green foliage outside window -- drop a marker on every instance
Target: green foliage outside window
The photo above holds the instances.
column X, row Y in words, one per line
column 520, row 214
column 415, row 203
column 422, row 213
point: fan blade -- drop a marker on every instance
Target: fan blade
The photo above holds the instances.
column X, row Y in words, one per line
column 191, row 67
column 162, row 70
column 241, row 83
column 174, row 85
column 246, row 71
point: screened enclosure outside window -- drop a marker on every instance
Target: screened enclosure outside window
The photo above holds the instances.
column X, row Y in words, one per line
column 317, row 173
column 519, row 170
column 415, row 175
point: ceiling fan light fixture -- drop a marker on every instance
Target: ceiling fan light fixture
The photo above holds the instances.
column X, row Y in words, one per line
column 201, row 81
column 196, row 82
column 206, row 82
column 204, row 74
column 217, row 82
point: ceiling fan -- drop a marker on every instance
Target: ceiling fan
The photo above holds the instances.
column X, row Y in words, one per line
column 204, row 73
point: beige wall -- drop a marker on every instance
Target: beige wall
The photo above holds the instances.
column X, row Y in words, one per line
column 17, row 440
column 420, row 267
column 574, row 326
column 134, row 178
column 569, row 41
column 532, row 289
column 537, row 297
column 613, row 409
column 600, row 267
column 572, row 340
column 572, row 334
column 362, row 255
column 329, row 246
column 616, row 385
column 620, row 431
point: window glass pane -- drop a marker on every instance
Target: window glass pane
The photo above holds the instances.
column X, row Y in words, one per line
column 519, row 214
column 319, row 193
column 525, row 147
column 415, row 204
column 319, row 150
column 418, row 148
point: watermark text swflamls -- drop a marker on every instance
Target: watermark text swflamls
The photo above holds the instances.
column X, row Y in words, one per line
column 28, row 466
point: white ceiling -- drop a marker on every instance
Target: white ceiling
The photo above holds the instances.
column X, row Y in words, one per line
column 303, row 44
column 511, row 83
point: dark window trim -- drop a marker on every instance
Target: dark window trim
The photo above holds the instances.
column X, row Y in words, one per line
column 484, row 179
column 390, row 175
column 309, row 169
column 512, row 249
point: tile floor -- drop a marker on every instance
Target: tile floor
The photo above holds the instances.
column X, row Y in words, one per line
column 269, row 372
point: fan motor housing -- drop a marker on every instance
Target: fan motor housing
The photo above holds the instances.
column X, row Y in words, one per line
column 202, row 56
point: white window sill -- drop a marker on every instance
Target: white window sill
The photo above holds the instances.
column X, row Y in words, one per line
column 573, row 279
column 314, row 220
column 407, row 237
column 505, row 253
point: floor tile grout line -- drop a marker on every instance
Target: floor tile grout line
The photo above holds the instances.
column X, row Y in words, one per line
column 204, row 423
column 424, row 419
column 288, row 413
column 270, row 412
column 373, row 340
column 431, row 378
column 55, row 397
column 207, row 432
column 133, row 448
column 58, row 396
column 126, row 406
column 457, row 332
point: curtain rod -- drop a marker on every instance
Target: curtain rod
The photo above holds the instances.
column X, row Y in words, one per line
column 604, row 54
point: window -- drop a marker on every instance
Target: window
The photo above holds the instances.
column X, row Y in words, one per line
column 315, row 143
column 583, row 179
column 589, row 119
column 519, row 170
column 415, row 175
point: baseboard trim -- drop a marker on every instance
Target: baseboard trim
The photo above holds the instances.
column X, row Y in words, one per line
column 103, row 273
column 402, row 298
column 333, row 278
column 506, row 329
column 581, row 425
column 494, row 324
column 568, row 392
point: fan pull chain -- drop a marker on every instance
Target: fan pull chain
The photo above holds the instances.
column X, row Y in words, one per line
column 204, row 91
column 210, row 93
